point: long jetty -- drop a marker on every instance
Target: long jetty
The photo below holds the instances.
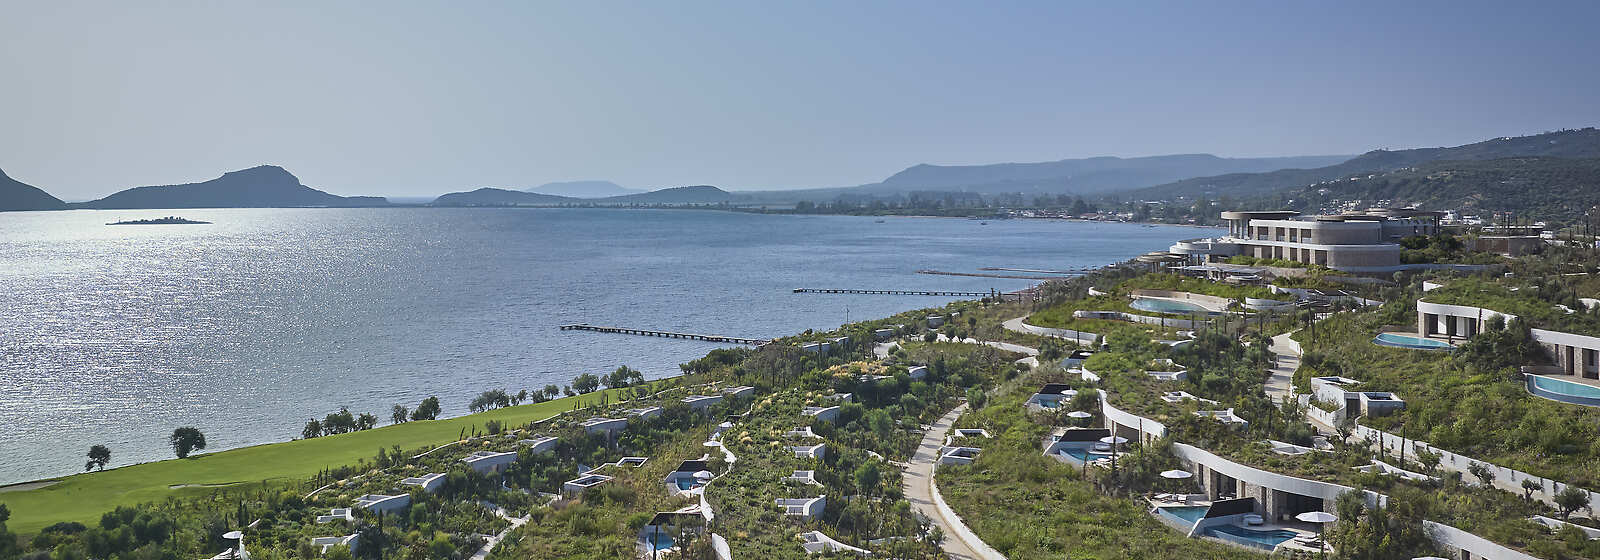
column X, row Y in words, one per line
column 902, row 292
column 987, row 275
column 666, row 334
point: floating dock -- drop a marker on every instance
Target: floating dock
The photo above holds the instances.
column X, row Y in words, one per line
column 667, row 334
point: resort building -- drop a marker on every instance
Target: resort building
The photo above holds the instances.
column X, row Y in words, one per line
column 1357, row 242
column 489, row 461
column 336, row 514
column 917, row 373
column 883, row 334
column 659, row 535
column 935, row 321
column 585, row 482
column 803, row 477
column 817, row 543
column 379, row 503
column 607, row 425
column 958, row 455
column 429, row 483
column 646, row 412
column 323, row 544
column 688, row 476
column 740, row 392
column 817, row 451
column 822, row 413
column 701, row 402
column 805, row 508
column 1575, row 377
column 539, row 444
column 1050, row 396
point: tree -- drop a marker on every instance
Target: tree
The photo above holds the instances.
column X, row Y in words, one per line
column 99, row 455
column 186, row 440
column 1570, row 500
column 1529, row 486
column 1430, row 460
column 313, row 429
column 398, row 415
column 366, row 421
column 427, row 410
column 551, row 391
column 585, row 383
column 867, row 477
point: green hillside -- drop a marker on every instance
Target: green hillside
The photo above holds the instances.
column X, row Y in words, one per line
column 1557, row 189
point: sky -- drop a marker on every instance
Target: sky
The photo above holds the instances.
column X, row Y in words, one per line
column 420, row 98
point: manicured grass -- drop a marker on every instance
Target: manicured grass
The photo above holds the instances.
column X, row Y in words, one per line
column 84, row 497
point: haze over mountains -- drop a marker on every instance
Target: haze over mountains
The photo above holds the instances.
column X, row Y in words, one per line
column 1141, row 178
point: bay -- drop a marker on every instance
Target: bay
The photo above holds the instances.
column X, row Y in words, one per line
column 251, row 325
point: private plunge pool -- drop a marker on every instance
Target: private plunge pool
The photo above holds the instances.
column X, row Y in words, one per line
column 1264, row 540
column 1410, row 342
column 1159, row 305
column 1184, row 515
column 1557, row 389
column 662, row 542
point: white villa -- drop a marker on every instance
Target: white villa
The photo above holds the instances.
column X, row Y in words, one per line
column 817, row 543
column 490, row 461
column 803, row 477
column 958, row 455
column 702, row 402
column 823, row 413
column 689, row 476
column 336, row 514
column 1224, row 416
column 429, row 483
column 607, row 425
column 647, row 412
column 1050, row 397
column 883, row 334
column 539, row 445
column 740, row 392
column 817, row 451
column 323, row 544
column 585, row 482
column 805, row 508
column 379, row 503
column 917, row 372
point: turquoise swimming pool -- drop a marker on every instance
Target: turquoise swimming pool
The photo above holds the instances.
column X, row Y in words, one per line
column 1411, row 342
column 1564, row 391
column 685, row 484
column 663, row 542
column 1185, row 514
column 1155, row 305
column 1265, row 540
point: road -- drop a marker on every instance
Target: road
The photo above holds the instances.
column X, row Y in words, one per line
column 1281, row 383
column 918, row 479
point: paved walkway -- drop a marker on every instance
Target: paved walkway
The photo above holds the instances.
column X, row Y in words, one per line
column 1080, row 337
column 1281, row 384
column 917, row 483
column 492, row 541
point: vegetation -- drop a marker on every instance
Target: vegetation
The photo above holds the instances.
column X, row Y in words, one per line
column 186, row 440
column 99, row 455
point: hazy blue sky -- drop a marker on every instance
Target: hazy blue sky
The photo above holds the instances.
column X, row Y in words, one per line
column 398, row 98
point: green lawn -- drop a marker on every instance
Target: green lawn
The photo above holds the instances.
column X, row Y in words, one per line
column 84, row 497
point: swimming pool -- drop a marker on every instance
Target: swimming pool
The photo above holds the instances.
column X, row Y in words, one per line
column 1082, row 454
column 1186, row 514
column 1564, row 391
column 1155, row 305
column 685, row 484
column 1411, row 342
column 1266, row 540
column 663, row 542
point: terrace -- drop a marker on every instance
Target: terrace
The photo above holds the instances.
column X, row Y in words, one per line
column 1175, row 397
column 632, row 462
column 917, row 373
column 958, row 455
column 740, row 392
column 1227, row 417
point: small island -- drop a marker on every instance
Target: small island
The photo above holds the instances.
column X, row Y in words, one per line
column 157, row 221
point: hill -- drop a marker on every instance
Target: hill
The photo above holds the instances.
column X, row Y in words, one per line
column 1081, row 176
column 490, row 196
column 266, row 186
column 17, row 195
column 584, row 189
column 1543, row 187
column 1580, row 143
column 698, row 194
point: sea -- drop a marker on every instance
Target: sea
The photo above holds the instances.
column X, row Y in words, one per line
column 251, row 325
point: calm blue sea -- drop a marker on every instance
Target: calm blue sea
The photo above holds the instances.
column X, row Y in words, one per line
column 267, row 317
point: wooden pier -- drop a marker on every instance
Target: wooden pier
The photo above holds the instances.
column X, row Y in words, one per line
column 667, row 334
column 988, row 275
column 903, row 293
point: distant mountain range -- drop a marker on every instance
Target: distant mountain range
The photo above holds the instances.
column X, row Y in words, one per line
column 1579, row 143
column 266, row 186
column 702, row 194
column 584, row 189
column 17, row 195
column 1086, row 176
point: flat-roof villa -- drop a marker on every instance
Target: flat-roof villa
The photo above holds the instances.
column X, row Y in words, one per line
column 336, row 514
column 1338, row 391
column 883, row 334
column 1355, row 242
column 817, row 543
column 801, row 432
column 429, row 483
column 1224, row 416
column 585, row 482
column 1076, row 358
column 1050, row 397
column 379, row 503
column 1176, row 397
column 632, row 462
column 1575, row 377
column 958, row 455
column 646, row 412
column 839, row 341
column 802, row 477
column 607, row 425
column 817, row 451
column 1165, row 369
column 657, row 536
column 822, row 413
column 917, row 372
column 539, row 444
column 688, row 477
column 816, row 347
column 702, row 402
column 841, row 397
column 324, row 544
column 740, row 392
column 1078, row 446
column 490, row 461
column 805, row 508
column 935, row 321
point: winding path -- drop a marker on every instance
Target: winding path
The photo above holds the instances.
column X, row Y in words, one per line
column 1281, row 384
column 917, row 482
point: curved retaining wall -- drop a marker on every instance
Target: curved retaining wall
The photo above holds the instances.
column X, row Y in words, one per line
column 1213, row 303
column 1080, row 336
column 1149, row 429
column 1479, row 547
column 1267, row 479
column 1508, row 479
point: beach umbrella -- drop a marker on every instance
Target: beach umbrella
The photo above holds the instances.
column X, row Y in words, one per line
column 1429, row 558
column 1176, row 474
column 704, row 475
column 1114, row 440
column 1080, row 414
column 1321, row 518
